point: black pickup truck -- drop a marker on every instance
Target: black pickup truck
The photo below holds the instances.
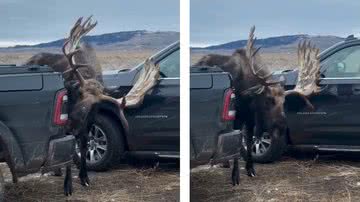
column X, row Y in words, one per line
column 212, row 112
column 154, row 127
column 32, row 115
column 335, row 123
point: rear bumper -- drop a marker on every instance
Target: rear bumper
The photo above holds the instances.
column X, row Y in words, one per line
column 60, row 152
column 228, row 146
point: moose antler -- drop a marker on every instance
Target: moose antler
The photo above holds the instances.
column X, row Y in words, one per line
column 148, row 78
column 251, row 52
column 309, row 72
column 309, row 69
column 71, row 45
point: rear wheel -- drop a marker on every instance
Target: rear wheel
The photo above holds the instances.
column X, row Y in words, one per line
column 268, row 148
column 105, row 145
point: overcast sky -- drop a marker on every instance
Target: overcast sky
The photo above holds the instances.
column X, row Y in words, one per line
column 28, row 22
column 218, row 21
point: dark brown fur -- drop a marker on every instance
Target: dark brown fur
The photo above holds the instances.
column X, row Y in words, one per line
column 82, row 104
column 269, row 103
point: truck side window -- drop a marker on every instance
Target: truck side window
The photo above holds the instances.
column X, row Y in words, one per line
column 170, row 66
column 344, row 63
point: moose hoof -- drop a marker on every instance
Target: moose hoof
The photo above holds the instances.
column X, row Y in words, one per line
column 68, row 192
column 235, row 179
column 251, row 172
column 85, row 181
column 68, row 189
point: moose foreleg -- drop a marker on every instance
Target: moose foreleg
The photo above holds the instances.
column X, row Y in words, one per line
column 249, row 143
column 68, row 187
column 235, row 174
column 83, row 175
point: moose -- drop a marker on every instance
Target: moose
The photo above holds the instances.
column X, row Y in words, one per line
column 83, row 81
column 260, row 101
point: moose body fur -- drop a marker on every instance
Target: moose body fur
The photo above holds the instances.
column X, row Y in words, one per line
column 59, row 63
column 82, row 79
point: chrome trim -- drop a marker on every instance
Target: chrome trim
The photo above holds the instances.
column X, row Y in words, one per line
column 169, row 156
column 169, row 78
column 338, row 78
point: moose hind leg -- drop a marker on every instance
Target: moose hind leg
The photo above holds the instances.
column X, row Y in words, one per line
column 249, row 143
column 68, row 187
column 235, row 174
column 83, row 175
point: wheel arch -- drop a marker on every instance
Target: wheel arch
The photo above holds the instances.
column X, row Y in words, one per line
column 11, row 150
column 113, row 111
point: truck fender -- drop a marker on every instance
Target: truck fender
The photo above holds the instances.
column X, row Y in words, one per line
column 118, row 111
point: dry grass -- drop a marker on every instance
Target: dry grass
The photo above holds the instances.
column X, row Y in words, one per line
column 328, row 179
column 123, row 184
column 274, row 61
column 109, row 59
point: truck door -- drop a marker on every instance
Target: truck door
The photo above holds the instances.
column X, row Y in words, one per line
column 156, row 124
column 336, row 120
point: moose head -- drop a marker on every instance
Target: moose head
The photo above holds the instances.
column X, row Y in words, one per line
column 267, row 96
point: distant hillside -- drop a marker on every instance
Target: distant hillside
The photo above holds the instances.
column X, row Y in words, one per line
column 119, row 40
column 277, row 44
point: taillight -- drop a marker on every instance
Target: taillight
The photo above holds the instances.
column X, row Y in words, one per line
column 229, row 111
column 60, row 112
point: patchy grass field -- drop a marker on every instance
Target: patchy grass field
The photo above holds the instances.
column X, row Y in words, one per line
column 122, row 184
column 330, row 178
column 109, row 59
column 274, row 61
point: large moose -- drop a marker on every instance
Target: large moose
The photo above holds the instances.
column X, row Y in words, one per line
column 83, row 81
column 259, row 100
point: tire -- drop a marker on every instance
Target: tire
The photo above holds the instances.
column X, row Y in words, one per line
column 114, row 141
column 270, row 148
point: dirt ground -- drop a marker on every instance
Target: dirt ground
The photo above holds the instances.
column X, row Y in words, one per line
column 293, row 178
column 125, row 183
